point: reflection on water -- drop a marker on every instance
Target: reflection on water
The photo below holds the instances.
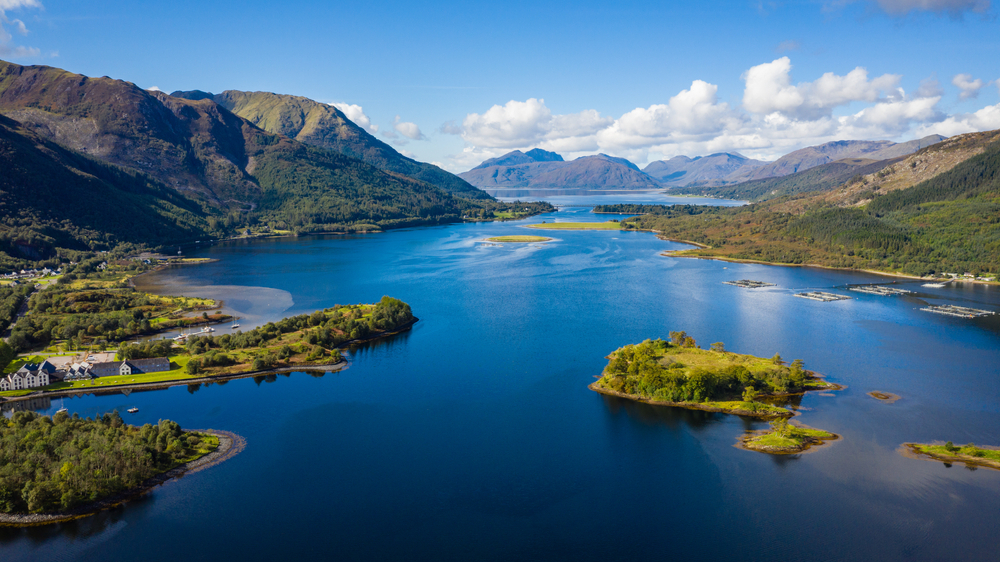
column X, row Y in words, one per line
column 473, row 436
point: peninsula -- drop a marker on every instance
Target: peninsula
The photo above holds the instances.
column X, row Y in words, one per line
column 60, row 467
column 680, row 374
column 299, row 342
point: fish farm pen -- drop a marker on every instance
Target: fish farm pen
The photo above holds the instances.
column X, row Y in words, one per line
column 822, row 296
column 958, row 311
column 880, row 290
column 748, row 284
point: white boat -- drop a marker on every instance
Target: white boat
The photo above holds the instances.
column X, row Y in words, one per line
column 62, row 409
column 236, row 324
column 132, row 410
column 207, row 330
column 933, row 285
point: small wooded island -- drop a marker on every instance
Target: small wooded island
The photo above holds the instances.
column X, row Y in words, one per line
column 679, row 374
column 64, row 467
column 948, row 453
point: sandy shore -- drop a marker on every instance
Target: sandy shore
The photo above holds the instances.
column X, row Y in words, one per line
column 230, row 445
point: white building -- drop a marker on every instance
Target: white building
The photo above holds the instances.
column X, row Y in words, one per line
column 28, row 376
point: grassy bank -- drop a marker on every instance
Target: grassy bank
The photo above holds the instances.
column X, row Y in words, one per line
column 969, row 454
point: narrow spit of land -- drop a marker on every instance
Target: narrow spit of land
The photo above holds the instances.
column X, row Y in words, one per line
column 680, row 374
column 610, row 225
column 518, row 238
column 50, row 477
column 948, row 453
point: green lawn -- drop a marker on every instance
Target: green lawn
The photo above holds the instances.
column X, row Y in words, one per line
column 610, row 225
column 969, row 450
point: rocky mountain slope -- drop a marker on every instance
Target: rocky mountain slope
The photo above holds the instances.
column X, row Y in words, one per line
column 323, row 125
column 681, row 171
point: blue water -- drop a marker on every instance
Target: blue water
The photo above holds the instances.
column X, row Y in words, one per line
column 474, row 436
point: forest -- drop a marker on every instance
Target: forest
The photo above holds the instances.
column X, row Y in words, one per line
column 60, row 462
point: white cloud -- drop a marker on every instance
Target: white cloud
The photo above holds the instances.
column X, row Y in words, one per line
column 970, row 88
column 7, row 49
column 776, row 117
column 769, row 89
column 986, row 119
column 154, row 89
column 408, row 130
column 357, row 115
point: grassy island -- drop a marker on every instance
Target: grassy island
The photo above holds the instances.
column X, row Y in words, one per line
column 610, row 225
column 59, row 463
column 969, row 454
column 519, row 238
column 679, row 373
column 785, row 438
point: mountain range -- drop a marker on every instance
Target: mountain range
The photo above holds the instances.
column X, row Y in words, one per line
column 542, row 169
column 135, row 155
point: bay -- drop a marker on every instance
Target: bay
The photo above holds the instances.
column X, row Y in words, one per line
column 474, row 437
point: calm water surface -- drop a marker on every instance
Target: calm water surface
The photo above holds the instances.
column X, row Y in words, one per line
column 474, row 436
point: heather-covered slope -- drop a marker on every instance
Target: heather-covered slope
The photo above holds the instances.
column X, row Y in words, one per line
column 322, row 125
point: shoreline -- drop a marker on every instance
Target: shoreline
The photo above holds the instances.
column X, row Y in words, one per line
column 912, row 450
column 230, row 444
column 157, row 385
column 679, row 254
column 597, row 387
column 809, row 443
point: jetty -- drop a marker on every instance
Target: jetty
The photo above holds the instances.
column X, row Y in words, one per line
column 879, row 290
column 822, row 296
column 958, row 311
column 748, row 284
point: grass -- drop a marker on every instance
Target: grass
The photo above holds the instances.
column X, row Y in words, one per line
column 961, row 452
column 610, row 225
column 518, row 238
column 20, row 361
column 786, row 437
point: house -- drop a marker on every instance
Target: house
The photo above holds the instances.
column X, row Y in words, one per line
column 28, row 376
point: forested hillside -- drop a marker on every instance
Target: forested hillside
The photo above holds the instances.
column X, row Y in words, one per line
column 948, row 223
column 92, row 162
column 54, row 201
column 323, row 125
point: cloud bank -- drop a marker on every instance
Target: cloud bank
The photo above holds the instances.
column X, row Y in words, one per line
column 357, row 114
column 777, row 115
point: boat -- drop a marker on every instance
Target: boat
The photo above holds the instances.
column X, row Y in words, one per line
column 236, row 324
column 207, row 330
column 181, row 338
column 62, row 409
column 132, row 410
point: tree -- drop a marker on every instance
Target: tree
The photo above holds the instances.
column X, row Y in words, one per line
column 7, row 354
column 678, row 338
column 193, row 367
column 777, row 360
column 718, row 347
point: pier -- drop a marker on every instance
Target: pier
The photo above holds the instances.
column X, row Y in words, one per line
column 748, row 284
column 958, row 311
column 822, row 296
column 880, row 290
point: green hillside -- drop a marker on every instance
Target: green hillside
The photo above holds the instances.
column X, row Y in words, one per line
column 242, row 174
column 54, row 200
column 948, row 223
column 325, row 126
column 820, row 178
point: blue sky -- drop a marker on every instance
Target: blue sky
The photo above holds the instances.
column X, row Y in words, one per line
column 457, row 82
